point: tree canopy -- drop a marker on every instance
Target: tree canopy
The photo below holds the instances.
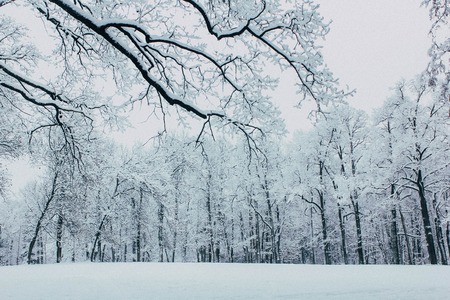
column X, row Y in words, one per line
column 213, row 59
column 353, row 189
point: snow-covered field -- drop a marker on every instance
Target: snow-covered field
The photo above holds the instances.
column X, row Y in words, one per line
column 222, row 281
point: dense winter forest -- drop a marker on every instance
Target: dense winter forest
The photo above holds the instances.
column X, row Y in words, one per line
column 230, row 187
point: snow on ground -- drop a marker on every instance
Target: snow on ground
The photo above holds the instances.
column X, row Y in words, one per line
column 222, row 281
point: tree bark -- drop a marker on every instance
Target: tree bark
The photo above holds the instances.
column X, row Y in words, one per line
column 447, row 233
column 408, row 245
column 161, row 232
column 426, row 220
column 175, row 232
column 343, row 237
column 439, row 234
column 41, row 218
column 360, row 248
column 313, row 251
column 59, row 231
column 138, row 227
column 395, row 253
column 97, row 239
column 326, row 243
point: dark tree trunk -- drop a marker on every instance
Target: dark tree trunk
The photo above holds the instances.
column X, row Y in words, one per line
column 278, row 236
column 97, row 240
column 59, row 231
column 326, row 243
column 161, row 232
column 258, row 243
column 175, row 233
column 417, row 241
column 41, row 218
column 440, row 240
column 138, row 242
column 99, row 249
column 40, row 258
column 251, row 236
column 113, row 254
column 217, row 254
column 139, row 227
column 360, row 248
column 395, row 253
column 313, row 251
column 405, row 232
column 426, row 220
column 232, row 242
column 343, row 237
column 210, row 222
column 439, row 232
column 271, row 223
column 447, row 233
column 243, row 237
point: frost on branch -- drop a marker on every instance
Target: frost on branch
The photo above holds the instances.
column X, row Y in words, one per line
column 60, row 107
column 439, row 51
column 214, row 59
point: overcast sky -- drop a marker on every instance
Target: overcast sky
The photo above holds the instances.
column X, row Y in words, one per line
column 372, row 45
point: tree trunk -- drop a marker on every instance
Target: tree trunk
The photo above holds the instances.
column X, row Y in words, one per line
column 447, row 233
column 210, row 222
column 258, row 243
column 360, row 249
column 278, row 237
column 175, row 232
column 41, row 218
column 97, row 240
column 343, row 237
column 405, row 232
column 313, row 251
column 426, row 220
column 251, row 238
column 395, row 253
column 326, row 243
column 42, row 250
column 59, row 231
column 139, row 227
column 273, row 250
column 439, row 233
column 34, row 239
column 161, row 232
column 138, row 242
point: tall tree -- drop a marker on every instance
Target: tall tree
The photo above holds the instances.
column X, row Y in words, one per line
column 142, row 46
column 420, row 145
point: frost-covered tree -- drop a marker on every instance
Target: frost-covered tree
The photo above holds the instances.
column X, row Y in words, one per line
column 439, row 52
column 350, row 143
column 413, row 127
column 313, row 186
column 213, row 59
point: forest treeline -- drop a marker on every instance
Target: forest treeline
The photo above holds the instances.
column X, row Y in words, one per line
column 352, row 190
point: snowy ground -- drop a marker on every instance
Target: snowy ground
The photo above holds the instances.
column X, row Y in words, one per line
column 222, row 281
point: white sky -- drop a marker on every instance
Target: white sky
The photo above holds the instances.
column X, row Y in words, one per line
column 374, row 44
column 371, row 46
